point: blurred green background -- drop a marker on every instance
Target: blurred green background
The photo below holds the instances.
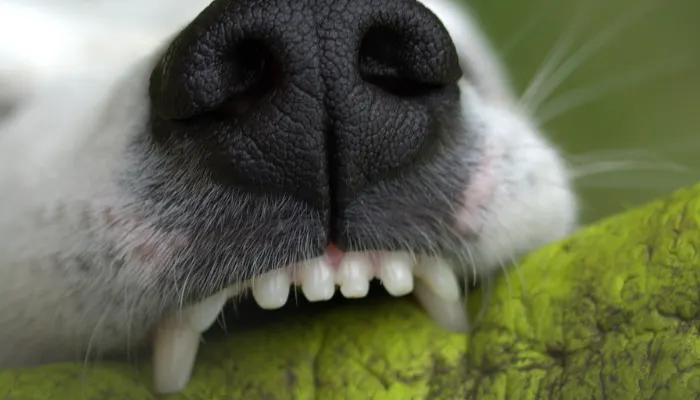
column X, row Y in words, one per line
column 630, row 107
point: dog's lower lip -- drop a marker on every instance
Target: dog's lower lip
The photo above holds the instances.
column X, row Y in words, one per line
column 436, row 288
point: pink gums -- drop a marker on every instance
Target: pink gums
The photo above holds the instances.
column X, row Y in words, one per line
column 334, row 256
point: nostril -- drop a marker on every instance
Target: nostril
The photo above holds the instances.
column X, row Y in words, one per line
column 388, row 60
column 253, row 73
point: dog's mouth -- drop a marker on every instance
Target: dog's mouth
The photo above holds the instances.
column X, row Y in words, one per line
column 431, row 279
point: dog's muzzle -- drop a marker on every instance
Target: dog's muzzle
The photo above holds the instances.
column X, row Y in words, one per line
column 311, row 99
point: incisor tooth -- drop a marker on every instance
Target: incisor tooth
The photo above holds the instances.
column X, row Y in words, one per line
column 439, row 276
column 354, row 274
column 451, row 315
column 177, row 340
column 317, row 280
column 395, row 273
column 271, row 290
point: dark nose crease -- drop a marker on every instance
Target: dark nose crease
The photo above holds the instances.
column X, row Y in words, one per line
column 313, row 99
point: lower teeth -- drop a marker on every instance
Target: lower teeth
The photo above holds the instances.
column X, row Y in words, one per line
column 450, row 314
column 318, row 282
column 354, row 274
column 396, row 274
column 272, row 290
column 174, row 352
column 177, row 341
column 436, row 289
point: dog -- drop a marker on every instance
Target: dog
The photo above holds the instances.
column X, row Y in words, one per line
column 160, row 157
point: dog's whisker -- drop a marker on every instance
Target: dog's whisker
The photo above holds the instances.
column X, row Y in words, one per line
column 551, row 61
column 576, row 98
column 601, row 39
column 522, row 32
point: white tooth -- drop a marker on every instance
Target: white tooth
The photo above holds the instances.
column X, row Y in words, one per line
column 236, row 289
column 354, row 274
column 451, row 315
column 317, row 280
column 271, row 290
column 439, row 276
column 395, row 273
column 177, row 339
column 201, row 315
column 174, row 353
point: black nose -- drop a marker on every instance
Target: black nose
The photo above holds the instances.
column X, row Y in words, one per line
column 314, row 99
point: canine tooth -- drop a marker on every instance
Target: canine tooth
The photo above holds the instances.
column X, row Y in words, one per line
column 318, row 281
column 354, row 274
column 271, row 290
column 200, row 316
column 395, row 273
column 439, row 276
column 175, row 350
column 177, row 340
column 451, row 315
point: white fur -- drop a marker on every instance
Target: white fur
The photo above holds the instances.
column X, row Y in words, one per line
column 75, row 75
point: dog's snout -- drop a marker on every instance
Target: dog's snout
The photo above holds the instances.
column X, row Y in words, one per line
column 313, row 99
